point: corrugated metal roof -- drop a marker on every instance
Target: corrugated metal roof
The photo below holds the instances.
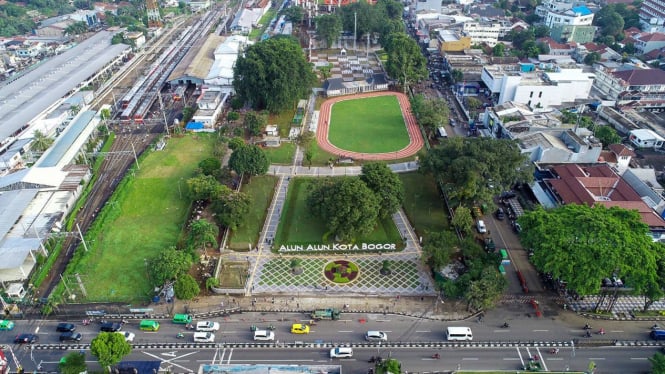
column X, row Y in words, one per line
column 12, row 205
column 66, row 140
column 13, row 251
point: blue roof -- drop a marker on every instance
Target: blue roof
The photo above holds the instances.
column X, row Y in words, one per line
column 194, row 126
column 581, row 10
column 66, row 140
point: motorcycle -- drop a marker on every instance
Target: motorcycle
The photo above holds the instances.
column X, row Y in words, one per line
column 86, row 322
column 554, row 351
column 180, row 335
column 436, row 356
column 601, row 332
column 587, row 327
column 587, row 334
column 505, row 325
column 271, row 327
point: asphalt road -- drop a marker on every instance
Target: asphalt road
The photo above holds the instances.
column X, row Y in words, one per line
column 490, row 348
column 608, row 360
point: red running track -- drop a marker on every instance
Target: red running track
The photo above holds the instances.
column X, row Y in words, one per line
column 415, row 137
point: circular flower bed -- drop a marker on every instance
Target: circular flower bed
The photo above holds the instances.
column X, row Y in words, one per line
column 341, row 271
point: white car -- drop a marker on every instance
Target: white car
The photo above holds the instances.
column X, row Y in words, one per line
column 129, row 336
column 264, row 335
column 376, row 336
column 341, row 352
column 207, row 326
column 204, row 337
column 480, row 225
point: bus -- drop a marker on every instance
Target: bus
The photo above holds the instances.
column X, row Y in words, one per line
column 459, row 333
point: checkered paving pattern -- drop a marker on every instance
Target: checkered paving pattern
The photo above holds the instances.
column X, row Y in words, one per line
column 624, row 304
column 275, row 276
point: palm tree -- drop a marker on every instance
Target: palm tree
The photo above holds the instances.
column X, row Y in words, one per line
column 296, row 269
column 386, row 267
column 203, row 233
column 40, row 142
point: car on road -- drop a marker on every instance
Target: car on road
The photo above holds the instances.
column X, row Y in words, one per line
column 480, row 225
column 341, row 352
column 129, row 336
column 70, row 336
column 298, row 328
column 65, row 327
column 376, row 336
column 204, row 337
column 264, row 335
column 111, row 327
column 207, row 326
column 26, row 339
column 6, row 325
column 500, row 214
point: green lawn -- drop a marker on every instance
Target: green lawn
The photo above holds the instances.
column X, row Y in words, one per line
column 283, row 121
column 370, row 125
column 282, row 154
column 298, row 226
column 319, row 156
column 422, row 203
column 144, row 215
column 260, row 189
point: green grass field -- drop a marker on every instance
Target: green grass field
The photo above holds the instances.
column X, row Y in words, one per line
column 370, row 125
column 281, row 155
column 298, row 226
column 422, row 203
column 146, row 216
column 261, row 190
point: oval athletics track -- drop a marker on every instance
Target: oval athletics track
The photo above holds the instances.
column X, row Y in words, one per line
column 415, row 137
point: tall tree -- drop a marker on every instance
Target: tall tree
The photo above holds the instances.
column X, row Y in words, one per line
column 430, row 113
column 463, row 219
column 438, row 249
column 386, row 185
column 607, row 135
column 109, row 348
column 231, row 209
column 169, row 264
column 328, row 28
column 486, row 291
column 40, row 142
column 210, row 166
column 273, row 74
column 360, row 16
column 477, row 169
column 202, row 187
column 406, row 62
column 582, row 245
column 186, row 287
column 73, row 363
column 294, row 14
column 349, row 208
column 203, row 233
column 249, row 160
column 499, row 50
column 657, row 363
column 254, row 122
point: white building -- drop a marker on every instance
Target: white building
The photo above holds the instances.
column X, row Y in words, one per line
column 538, row 89
column 483, row 32
column 555, row 6
column 226, row 54
column 577, row 16
column 210, row 105
column 643, row 138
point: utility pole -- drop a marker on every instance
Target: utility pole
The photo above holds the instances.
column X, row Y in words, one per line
column 161, row 107
column 135, row 158
column 85, row 245
column 355, row 29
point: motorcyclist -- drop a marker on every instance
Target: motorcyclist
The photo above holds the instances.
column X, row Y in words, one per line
column 587, row 327
column 601, row 331
column 505, row 325
column 436, row 356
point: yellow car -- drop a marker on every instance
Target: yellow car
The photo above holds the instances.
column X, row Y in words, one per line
column 298, row 328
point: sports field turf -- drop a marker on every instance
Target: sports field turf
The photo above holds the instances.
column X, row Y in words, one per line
column 369, row 125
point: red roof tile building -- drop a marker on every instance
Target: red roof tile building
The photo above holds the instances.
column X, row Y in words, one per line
column 598, row 184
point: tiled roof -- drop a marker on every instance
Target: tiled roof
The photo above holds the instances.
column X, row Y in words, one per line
column 652, row 37
column 553, row 44
column 599, row 184
column 621, row 150
column 641, row 77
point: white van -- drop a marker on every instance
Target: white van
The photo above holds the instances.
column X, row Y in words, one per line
column 264, row 335
column 441, row 132
column 459, row 333
column 480, row 225
column 204, row 337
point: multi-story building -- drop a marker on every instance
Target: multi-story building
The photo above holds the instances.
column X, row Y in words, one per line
column 556, row 6
column 652, row 15
column 538, row 88
column 646, row 42
column 452, row 41
column 571, row 25
column 636, row 88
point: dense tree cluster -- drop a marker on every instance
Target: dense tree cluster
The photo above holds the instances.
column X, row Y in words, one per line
column 273, row 74
column 476, row 169
column 351, row 206
column 109, row 348
column 524, row 42
column 582, row 245
column 430, row 112
column 613, row 19
column 405, row 63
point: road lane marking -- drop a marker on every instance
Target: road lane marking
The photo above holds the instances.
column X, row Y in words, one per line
column 501, row 330
column 253, row 360
column 596, row 358
column 639, row 358
column 540, row 330
column 616, row 331
column 469, row 358
column 423, row 330
column 345, row 331
column 520, row 354
column 228, row 360
column 554, row 359
column 511, row 358
column 540, row 356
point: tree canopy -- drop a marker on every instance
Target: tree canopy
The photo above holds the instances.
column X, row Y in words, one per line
column 249, row 160
column 186, row 288
column 347, row 206
column 386, row 185
column 328, row 28
column 231, row 208
column 430, row 112
column 607, row 135
column 273, row 74
column 582, row 245
column 109, row 348
column 476, row 169
column 254, row 122
column 406, row 62
column 169, row 264
column 73, row 363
